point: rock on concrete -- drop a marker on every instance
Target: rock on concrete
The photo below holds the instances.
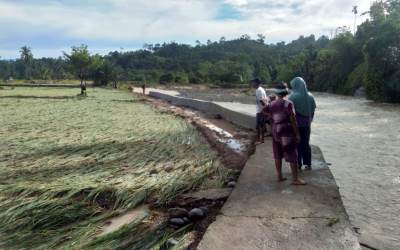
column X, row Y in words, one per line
column 264, row 214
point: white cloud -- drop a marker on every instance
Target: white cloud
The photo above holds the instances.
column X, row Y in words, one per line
column 140, row 21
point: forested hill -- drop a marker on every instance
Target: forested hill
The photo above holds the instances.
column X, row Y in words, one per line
column 342, row 64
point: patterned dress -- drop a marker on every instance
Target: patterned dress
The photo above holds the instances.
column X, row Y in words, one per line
column 284, row 138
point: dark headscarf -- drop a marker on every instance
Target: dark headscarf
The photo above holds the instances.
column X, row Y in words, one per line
column 303, row 100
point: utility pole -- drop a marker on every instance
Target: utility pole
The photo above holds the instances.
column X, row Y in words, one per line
column 355, row 11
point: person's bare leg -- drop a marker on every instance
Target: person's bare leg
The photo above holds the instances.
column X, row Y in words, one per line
column 262, row 135
column 259, row 139
column 296, row 179
column 278, row 166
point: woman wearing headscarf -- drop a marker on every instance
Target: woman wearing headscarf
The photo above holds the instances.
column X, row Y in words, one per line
column 304, row 105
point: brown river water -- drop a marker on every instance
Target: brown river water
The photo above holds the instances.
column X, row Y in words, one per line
column 361, row 140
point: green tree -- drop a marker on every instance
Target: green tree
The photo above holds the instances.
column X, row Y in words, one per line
column 377, row 11
column 382, row 52
column 80, row 61
column 166, row 78
column 26, row 57
column 44, row 74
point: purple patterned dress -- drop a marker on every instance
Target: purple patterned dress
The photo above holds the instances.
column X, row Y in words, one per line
column 284, row 138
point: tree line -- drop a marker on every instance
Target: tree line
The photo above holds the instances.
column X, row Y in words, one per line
column 370, row 58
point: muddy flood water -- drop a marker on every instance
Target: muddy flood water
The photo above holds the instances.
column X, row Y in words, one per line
column 361, row 139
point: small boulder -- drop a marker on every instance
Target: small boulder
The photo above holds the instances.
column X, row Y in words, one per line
column 186, row 219
column 196, row 214
column 177, row 222
column 172, row 242
column 205, row 210
column 177, row 212
column 230, row 179
column 231, row 184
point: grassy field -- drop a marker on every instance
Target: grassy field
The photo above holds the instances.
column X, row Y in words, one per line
column 67, row 164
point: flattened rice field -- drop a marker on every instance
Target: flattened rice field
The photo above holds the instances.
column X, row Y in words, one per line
column 67, row 164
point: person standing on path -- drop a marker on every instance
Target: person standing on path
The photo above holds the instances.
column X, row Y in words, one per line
column 285, row 134
column 261, row 102
column 144, row 88
column 304, row 104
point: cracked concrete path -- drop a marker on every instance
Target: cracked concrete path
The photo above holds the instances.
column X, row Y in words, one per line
column 264, row 214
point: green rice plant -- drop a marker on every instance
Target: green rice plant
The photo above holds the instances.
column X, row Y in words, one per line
column 67, row 164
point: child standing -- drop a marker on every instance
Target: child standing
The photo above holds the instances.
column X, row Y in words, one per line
column 285, row 133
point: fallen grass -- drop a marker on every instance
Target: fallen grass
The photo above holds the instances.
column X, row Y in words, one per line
column 68, row 163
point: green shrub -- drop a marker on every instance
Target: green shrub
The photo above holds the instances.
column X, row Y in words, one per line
column 166, row 78
column 356, row 79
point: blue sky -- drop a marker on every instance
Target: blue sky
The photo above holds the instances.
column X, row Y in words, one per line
column 52, row 26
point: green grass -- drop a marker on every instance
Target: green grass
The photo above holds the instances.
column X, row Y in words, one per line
column 69, row 163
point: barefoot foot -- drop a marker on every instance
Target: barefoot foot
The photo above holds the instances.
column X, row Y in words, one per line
column 282, row 179
column 259, row 142
column 299, row 182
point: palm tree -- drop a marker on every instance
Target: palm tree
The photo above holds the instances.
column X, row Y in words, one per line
column 355, row 11
column 26, row 58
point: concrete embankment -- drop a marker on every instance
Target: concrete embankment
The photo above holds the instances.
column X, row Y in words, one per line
column 262, row 213
column 242, row 116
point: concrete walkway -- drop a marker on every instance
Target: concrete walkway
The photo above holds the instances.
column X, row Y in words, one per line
column 264, row 214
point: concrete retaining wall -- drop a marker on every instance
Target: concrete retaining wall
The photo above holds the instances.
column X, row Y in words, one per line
column 243, row 120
